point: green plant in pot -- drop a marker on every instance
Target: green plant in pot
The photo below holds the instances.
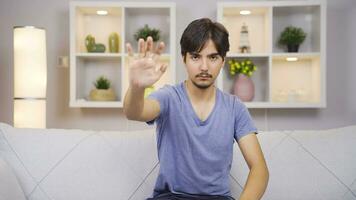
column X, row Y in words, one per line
column 243, row 86
column 102, row 91
column 246, row 67
column 292, row 37
column 146, row 31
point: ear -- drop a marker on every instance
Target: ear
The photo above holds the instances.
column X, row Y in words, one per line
column 223, row 63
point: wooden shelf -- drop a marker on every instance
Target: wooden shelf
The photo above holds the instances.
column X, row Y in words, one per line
column 279, row 83
column 99, row 55
column 123, row 18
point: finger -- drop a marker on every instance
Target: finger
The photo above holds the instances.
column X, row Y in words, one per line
column 129, row 49
column 158, row 51
column 160, row 48
column 141, row 47
column 149, row 45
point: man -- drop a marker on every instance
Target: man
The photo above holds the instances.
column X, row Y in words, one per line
column 196, row 122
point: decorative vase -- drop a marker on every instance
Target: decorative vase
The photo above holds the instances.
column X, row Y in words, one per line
column 90, row 43
column 102, row 95
column 99, row 48
column 244, row 87
column 92, row 47
column 293, row 47
column 114, row 43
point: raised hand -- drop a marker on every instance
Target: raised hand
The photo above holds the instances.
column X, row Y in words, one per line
column 145, row 68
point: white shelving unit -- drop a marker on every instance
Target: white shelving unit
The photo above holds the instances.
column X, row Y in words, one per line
column 124, row 18
column 279, row 83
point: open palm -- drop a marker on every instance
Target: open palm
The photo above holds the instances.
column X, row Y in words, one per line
column 145, row 69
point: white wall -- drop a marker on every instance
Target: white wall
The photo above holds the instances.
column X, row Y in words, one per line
column 54, row 16
column 350, row 70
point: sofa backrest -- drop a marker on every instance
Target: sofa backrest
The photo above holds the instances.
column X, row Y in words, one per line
column 76, row 164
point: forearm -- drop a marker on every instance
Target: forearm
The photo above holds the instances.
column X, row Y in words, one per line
column 134, row 102
column 256, row 183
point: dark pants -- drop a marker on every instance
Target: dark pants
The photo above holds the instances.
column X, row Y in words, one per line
column 171, row 196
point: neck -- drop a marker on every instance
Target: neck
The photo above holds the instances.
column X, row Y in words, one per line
column 198, row 94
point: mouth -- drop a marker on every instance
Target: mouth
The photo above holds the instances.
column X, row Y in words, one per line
column 204, row 76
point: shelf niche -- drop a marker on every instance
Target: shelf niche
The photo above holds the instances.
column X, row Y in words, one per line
column 87, row 21
column 305, row 17
column 89, row 69
column 296, row 82
column 259, row 77
column 158, row 18
column 258, row 23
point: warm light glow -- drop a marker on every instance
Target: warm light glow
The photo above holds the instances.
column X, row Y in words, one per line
column 30, row 113
column 30, row 62
column 102, row 12
column 30, row 77
column 245, row 12
column 292, row 59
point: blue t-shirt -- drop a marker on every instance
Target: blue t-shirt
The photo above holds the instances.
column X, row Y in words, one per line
column 195, row 156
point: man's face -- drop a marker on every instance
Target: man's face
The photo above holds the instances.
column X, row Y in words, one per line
column 203, row 67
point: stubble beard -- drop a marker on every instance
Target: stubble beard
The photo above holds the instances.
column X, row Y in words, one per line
column 203, row 86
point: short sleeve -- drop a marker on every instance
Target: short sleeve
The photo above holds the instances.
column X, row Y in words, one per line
column 243, row 122
column 162, row 96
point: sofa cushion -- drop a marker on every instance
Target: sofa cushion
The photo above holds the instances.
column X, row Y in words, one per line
column 34, row 153
column 98, row 164
column 9, row 186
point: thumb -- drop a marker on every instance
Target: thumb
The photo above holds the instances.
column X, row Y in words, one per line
column 163, row 68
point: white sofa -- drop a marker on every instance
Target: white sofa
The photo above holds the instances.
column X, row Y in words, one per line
column 41, row 164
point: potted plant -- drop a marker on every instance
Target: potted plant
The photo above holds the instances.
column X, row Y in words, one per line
column 146, row 31
column 292, row 37
column 102, row 91
column 243, row 86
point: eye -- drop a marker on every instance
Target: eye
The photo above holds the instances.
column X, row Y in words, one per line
column 195, row 57
column 214, row 57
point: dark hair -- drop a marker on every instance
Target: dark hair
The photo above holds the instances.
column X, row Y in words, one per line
column 199, row 31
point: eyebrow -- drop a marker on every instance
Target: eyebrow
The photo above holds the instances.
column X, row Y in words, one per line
column 209, row 55
column 213, row 54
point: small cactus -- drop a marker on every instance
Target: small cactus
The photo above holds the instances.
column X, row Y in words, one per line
column 102, row 83
column 147, row 31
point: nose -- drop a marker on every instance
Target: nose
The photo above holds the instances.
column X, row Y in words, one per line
column 204, row 65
